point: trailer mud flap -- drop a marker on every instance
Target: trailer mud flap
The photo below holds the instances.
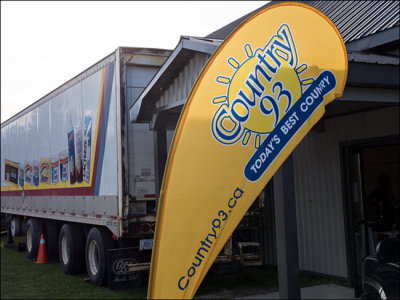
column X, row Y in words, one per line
column 119, row 276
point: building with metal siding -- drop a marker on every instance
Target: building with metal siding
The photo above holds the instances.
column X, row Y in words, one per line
column 318, row 183
column 366, row 117
column 180, row 88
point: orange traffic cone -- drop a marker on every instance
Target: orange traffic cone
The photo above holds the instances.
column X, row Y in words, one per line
column 42, row 256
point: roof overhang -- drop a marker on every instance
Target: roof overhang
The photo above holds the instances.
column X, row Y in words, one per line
column 372, row 71
column 143, row 108
column 378, row 39
column 372, row 83
column 371, row 77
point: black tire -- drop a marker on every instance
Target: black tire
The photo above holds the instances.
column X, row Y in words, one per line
column 15, row 226
column 51, row 237
column 98, row 242
column 71, row 249
column 32, row 237
column 369, row 293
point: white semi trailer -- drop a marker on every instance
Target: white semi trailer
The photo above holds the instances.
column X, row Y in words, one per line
column 75, row 168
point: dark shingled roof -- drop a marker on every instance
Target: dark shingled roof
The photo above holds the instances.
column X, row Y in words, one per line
column 354, row 19
column 357, row 19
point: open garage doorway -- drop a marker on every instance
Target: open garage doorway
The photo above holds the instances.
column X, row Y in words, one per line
column 372, row 193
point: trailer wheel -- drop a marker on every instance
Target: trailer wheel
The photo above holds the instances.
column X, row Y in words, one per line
column 71, row 249
column 51, row 237
column 97, row 243
column 15, row 226
column 32, row 237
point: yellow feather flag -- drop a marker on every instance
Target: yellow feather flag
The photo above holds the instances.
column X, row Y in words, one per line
column 257, row 97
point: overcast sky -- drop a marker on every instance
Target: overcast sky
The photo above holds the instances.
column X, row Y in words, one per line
column 44, row 44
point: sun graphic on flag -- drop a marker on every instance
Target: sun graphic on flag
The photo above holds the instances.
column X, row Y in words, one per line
column 252, row 110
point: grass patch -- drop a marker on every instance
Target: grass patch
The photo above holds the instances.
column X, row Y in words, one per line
column 24, row 279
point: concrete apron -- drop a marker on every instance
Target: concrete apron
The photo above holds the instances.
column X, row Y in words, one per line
column 324, row 291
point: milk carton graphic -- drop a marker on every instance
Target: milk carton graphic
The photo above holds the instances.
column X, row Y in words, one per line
column 28, row 173
column 44, row 170
column 63, row 156
column 87, row 148
column 71, row 153
column 55, row 169
column 36, row 172
column 78, row 153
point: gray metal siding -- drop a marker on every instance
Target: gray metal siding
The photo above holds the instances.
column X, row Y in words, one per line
column 269, row 242
column 318, row 181
column 183, row 83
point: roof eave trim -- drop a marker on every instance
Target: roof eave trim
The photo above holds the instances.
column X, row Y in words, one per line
column 204, row 47
column 374, row 40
